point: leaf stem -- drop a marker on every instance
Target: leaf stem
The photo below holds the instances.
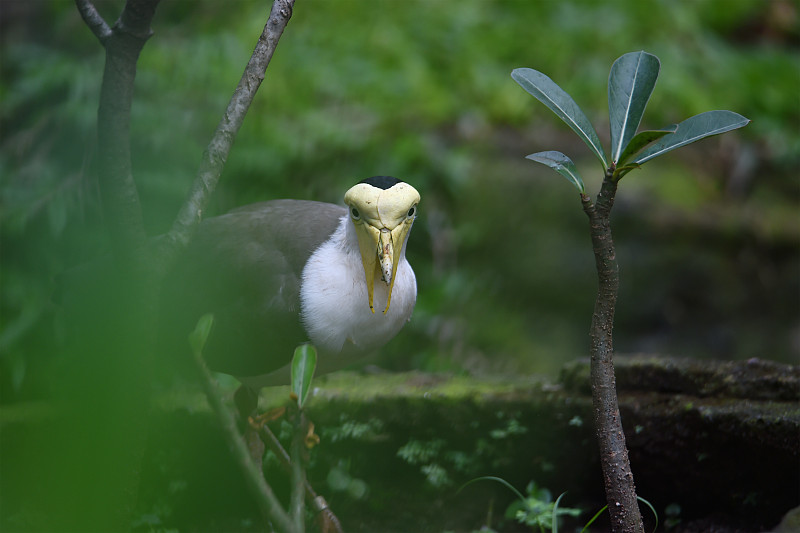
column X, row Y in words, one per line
column 320, row 506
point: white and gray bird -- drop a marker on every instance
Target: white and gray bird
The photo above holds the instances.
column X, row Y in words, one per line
column 279, row 273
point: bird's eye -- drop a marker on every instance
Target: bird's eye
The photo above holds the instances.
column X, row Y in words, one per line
column 412, row 212
column 354, row 213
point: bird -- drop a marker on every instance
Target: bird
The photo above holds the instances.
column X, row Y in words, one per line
column 280, row 273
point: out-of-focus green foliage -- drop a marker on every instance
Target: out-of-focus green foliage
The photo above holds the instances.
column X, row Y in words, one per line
column 198, row 338
column 304, row 362
column 421, row 90
column 538, row 510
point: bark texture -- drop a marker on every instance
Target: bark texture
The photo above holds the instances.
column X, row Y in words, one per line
column 617, row 476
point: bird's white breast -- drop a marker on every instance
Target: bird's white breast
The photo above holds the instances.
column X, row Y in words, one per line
column 335, row 305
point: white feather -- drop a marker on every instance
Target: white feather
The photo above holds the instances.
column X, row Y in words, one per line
column 334, row 304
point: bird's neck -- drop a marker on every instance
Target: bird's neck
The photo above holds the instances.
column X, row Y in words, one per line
column 334, row 300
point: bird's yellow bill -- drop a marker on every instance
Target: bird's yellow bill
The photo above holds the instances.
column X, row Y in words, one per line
column 380, row 254
column 384, row 219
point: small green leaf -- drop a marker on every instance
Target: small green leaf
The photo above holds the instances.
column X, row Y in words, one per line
column 554, row 524
column 630, row 84
column 554, row 97
column 642, row 139
column 652, row 509
column 693, row 129
column 623, row 171
column 597, row 515
column 561, row 164
column 304, row 363
column 198, row 337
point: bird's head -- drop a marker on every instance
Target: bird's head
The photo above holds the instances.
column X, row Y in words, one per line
column 382, row 209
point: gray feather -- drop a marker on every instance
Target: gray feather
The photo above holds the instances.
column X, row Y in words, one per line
column 246, row 267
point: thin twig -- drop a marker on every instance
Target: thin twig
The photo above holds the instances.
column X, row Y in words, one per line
column 297, row 503
column 265, row 497
column 325, row 516
column 94, row 20
column 218, row 148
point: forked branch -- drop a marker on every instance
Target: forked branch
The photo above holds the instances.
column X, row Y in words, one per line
column 219, row 147
column 93, row 20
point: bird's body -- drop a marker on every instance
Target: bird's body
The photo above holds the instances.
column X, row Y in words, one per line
column 333, row 298
column 277, row 274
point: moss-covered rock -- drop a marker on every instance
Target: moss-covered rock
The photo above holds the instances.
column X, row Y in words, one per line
column 714, row 446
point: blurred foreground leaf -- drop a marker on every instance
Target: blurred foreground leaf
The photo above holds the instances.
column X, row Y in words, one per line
column 198, row 337
column 304, row 363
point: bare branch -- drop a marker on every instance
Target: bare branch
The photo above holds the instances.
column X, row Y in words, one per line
column 220, row 145
column 326, row 520
column 93, row 19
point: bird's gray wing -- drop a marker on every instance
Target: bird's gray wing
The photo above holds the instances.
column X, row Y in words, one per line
column 246, row 267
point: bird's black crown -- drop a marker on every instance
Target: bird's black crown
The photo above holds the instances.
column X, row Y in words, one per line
column 382, row 182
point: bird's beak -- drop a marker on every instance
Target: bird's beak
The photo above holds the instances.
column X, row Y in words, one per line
column 380, row 254
column 384, row 219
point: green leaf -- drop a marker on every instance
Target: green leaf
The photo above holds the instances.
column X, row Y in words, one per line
column 562, row 104
column 693, row 129
column 554, row 524
column 652, row 509
column 642, row 139
column 597, row 515
column 630, row 84
column 304, row 363
column 561, row 164
column 198, row 337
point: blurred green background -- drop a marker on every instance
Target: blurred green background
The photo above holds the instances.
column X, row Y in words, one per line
column 707, row 237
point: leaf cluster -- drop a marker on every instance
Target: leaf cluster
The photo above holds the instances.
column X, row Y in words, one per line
column 630, row 84
column 538, row 510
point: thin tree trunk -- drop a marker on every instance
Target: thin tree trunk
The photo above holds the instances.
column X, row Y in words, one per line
column 618, row 478
column 104, row 388
column 121, row 206
column 110, row 365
